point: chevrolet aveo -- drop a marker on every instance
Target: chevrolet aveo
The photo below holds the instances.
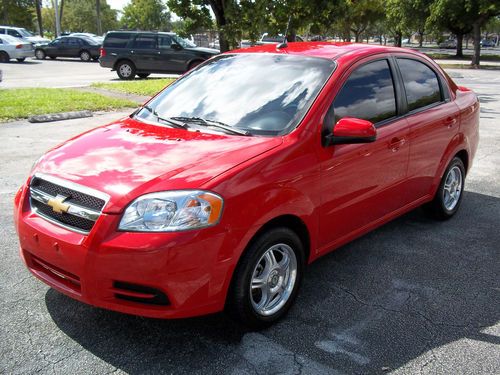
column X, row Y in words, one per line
column 218, row 192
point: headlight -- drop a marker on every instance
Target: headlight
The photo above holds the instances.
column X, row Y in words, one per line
column 172, row 211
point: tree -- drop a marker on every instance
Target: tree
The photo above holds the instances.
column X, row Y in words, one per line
column 17, row 13
column 146, row 15
column 360, row 14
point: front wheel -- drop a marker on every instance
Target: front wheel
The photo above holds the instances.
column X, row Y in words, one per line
column 40, row 54
column 449, row 194
column 125, row 70
column 21, row 59
column 267, row 279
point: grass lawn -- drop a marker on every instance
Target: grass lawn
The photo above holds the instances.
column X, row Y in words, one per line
column 146, row 87
column 22, row 103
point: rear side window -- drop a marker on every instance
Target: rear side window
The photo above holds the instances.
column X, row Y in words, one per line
column 368, row 94
column 421, row 84
column 117, row 40
column 145, row 41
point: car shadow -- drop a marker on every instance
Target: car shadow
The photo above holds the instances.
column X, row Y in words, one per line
column 376, row 304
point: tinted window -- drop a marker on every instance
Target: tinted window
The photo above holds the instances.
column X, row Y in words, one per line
column 421, row 84
column 262, row 93
column 74, row 42
column 368, row 94
column 117, row 40
column 2, row 31
column 14, row 33
column 164, row 41
column 145, row 41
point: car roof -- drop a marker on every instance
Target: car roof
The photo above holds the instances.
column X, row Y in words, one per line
column 141, row 32
column 328, row 50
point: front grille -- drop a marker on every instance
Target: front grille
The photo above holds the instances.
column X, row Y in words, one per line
column 65, row 203
column 78, row 197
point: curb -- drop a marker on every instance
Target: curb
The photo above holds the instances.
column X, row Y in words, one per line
column 59, row 116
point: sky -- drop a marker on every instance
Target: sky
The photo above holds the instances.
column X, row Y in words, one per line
column 117, row 4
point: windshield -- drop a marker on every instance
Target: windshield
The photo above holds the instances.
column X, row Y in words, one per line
column 259, row 93
column 24, row 32
column 183, row 42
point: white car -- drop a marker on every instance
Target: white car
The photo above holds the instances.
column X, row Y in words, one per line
column 21, row 33
column 97, row 38
column 14, row 48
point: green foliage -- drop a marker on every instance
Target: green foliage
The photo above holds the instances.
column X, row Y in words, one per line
column 17, row 13
column 146, row 15
column 80, row 16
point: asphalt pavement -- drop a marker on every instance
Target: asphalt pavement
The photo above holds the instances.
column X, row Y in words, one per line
column 414, row 296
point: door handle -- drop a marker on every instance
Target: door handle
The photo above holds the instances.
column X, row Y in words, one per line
column 132, row 51
column 396, row 143
column 450, row 121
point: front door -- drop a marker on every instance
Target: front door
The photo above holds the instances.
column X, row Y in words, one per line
column 362, row 183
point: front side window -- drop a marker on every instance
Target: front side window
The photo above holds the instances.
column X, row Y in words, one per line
column 421, row 84
column 368, row 94
column 260, row 93
column 165, row 41
column 184, row 43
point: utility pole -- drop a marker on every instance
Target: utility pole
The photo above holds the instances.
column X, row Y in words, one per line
column 58, row 21
column 98, row 18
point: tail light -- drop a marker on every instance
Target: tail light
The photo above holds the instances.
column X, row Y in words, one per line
column 19, row 46
column 102, row 52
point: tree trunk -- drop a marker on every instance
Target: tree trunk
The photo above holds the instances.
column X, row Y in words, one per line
column 220, row 19
column 38, row 9
column 356, row 36
column 61, row 5
column 420, row 39
column 98, row 16
column 477, row 44
column 460, row 42
column 398, row 39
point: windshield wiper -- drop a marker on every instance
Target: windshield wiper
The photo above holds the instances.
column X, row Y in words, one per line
column 215, row 124
column 169, row 120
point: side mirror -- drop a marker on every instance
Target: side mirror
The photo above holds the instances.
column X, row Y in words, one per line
column 350, row 130
column 175, row 46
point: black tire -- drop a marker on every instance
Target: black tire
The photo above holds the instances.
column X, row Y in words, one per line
column 53, row 57
column 21, row 59
column 143, row 75
column 443, row 207
column 85, row 56
column 95, row 58
column 4, row 57
column 125, row 69
column 241, row 301
column 40, row 54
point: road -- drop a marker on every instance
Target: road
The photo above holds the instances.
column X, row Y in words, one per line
column 57, row 73
column 414, row 296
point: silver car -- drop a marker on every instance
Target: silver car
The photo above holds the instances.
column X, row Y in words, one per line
column 14, row 48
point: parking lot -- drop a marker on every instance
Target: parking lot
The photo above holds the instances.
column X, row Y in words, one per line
column 414, row 296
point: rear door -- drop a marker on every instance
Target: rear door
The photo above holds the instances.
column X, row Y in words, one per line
column 73, row 47
column 362, row 183
column 144, row 52
column 433, row 119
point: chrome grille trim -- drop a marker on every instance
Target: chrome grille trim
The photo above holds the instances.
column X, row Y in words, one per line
column 74, row 208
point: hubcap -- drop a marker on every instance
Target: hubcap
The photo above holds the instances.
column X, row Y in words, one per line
column 85, row 56
column 125, row 70
column 39, row 54
column 452, row 188
column 273, row 279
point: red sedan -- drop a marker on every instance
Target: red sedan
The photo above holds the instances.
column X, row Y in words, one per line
column 218, row 192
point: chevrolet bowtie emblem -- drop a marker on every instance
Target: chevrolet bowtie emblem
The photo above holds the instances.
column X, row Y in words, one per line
column 58, row 204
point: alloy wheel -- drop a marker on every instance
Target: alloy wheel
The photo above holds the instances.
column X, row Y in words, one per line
column 452, row 188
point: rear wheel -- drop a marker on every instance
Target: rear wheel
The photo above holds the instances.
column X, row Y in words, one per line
column 40, row 54
column 449, row 194
column 267, row 279
column 95, row 58
column 85, row 56
column 125, row 70
column 4, row 57
column 21, row 59
column 143, row 75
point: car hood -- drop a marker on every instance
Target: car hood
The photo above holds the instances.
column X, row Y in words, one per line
column 211, row 51
column 128, row 158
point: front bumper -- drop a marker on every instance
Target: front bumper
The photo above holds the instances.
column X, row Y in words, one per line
column 191, row 269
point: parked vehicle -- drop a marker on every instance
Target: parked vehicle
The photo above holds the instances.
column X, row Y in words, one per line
column 142, row 53
column 69, row 46
column 14, row 48
column 218, row 191
column 275, row 39
column 97, row 38
column 448, row 44
column 487, row 43
column 21, row 33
